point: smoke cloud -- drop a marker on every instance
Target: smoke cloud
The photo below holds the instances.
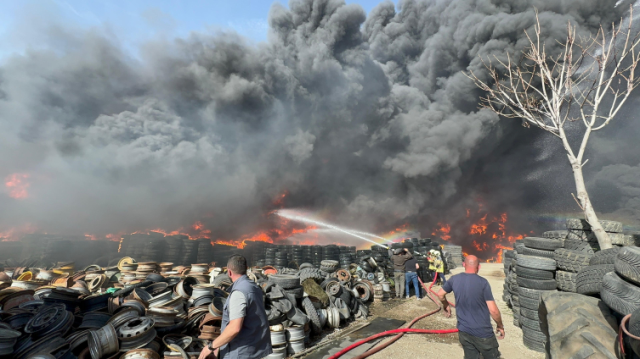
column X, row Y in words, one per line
column 367, row 117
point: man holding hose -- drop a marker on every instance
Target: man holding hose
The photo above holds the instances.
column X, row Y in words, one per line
column 474, row 307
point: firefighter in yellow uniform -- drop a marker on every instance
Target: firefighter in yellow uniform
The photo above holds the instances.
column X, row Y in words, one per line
column 431, row 257
column 438, row 264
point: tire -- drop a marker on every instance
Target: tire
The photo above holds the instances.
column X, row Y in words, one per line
column 518, row 247
column 623, row 240
column 555, row 234
column 542, row 284
column 330, row 264
column 627, row 264
column 536, row 262
column 537, row 252
column 546, row 244
column 533, row 273
column 589, row 279
column 286, row 281
column 581, row 246
column 529, row 303
column 314, row 273
column 529, row 313
column 532, row 293
column 221, row 278
column 510, row 254
column 530, row 323
column 621, row 296
column 608, row 226
column 297, row 292
column 314, row 320
column 577, row 326
column 566, row 281
column 536, row 335
column 588, row 236
column 605, row 256
column 571, row 261
column 533, row 345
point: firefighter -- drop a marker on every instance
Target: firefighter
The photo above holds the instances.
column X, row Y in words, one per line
column 431, row 257
column 438, row 264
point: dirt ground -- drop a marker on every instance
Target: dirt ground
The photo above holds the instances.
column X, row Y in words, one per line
column 447, row 345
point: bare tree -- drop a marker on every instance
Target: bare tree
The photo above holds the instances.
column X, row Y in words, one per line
column 588, row 82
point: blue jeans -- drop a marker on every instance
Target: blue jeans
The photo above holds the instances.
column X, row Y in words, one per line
column 412, row 277
column 442, row 278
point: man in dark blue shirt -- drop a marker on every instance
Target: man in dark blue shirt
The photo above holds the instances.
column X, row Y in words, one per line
column 474, row 308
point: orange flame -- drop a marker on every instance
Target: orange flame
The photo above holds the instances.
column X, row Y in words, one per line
column 396, row 233
column 485, row 236
column 443, row 231
column 480, row 227
column 278, row 202
column 14, row 234
column 17, row 185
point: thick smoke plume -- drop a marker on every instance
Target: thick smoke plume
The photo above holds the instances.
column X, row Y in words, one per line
column 368, row 118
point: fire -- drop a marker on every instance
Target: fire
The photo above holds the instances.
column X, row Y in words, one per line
column 480, row 227
column 397, row 233
column 489, row 234
column 480, row 247
column 91, row 237
column 283, row 230
column 17, row 185
column 443, row 231
column 278, row 202
column 14, row 234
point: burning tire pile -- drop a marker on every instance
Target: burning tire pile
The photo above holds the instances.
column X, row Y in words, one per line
column 557, row 283
column 145, row 309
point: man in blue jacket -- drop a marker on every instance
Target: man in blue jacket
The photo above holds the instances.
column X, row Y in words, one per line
column 245, row 328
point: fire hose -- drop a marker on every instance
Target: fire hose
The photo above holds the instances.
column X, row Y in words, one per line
column 399, row 332
column 623, row 330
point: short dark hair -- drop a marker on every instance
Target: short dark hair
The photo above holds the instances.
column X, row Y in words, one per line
column 238, row 264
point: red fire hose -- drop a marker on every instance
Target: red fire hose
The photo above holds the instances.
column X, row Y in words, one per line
column 400, row 332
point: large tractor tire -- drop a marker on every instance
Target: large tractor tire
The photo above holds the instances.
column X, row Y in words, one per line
column 577, row 326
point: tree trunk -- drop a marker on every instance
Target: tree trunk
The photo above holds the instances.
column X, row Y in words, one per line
column 589, row 213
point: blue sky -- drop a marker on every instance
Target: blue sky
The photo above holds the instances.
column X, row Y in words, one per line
column 133, row 21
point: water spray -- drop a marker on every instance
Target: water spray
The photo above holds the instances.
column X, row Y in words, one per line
column 367, row 234
column 326, row 225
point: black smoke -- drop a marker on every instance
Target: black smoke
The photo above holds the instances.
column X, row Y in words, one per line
column 367, row 118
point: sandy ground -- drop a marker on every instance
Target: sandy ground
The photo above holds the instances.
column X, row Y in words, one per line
column 415, row 346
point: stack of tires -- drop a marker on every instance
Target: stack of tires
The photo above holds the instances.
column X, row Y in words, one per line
column 307, row 253
column 189, row 251
column 508, row 259
column 316, row 255
column 346, row 259
column 408, row 245
column 510, row 292
column 270, row 256
column 588, row 280
column 174, row 248
column 330, row 252
column 281, row 258
column 297, row 254
column 621, row 287
column 535, row 270
column 579, row 229
column 205, row 251
column 579, row 247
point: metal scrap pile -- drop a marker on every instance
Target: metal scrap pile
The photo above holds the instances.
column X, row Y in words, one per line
column 149, row 309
